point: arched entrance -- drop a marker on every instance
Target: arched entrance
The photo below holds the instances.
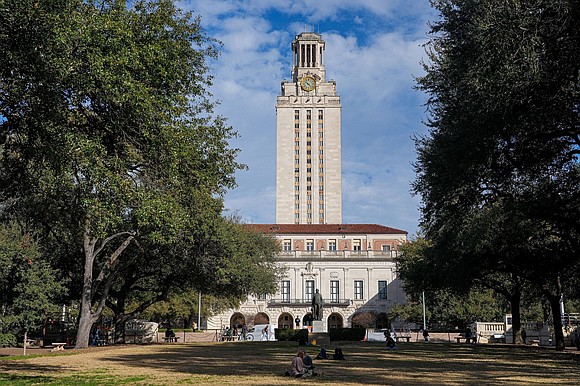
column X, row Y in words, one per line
column 307, row 320
column 237, row 320
column 383, row 321
column 335, row 320
column 261, row 318
column 285, row 320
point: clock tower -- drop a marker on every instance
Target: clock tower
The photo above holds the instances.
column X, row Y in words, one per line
column 308, row 157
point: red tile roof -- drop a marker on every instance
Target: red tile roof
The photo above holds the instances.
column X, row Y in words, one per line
column 325, row 229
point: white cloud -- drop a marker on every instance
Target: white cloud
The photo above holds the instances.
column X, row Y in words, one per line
column 373, row 50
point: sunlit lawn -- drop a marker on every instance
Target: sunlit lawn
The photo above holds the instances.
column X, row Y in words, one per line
column 264, row 363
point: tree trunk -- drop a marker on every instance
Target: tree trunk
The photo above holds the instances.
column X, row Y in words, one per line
column 554, row 301
column 515, row 301
column 86, row 317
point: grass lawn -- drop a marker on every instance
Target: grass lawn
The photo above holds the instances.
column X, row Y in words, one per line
column 264, row 363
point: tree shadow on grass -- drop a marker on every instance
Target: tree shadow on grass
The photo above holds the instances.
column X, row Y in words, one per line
column 368, row 363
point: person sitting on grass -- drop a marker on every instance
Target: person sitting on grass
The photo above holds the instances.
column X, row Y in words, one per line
column 322, row 354
column 338, row 355
column 297, row 369
column 391, row 344
column 308, row 364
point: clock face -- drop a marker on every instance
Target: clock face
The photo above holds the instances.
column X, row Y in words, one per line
column 308, row 83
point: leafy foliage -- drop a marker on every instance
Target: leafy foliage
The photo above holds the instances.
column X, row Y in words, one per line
column 28, row 285
column 498, row 172
column 111, row 149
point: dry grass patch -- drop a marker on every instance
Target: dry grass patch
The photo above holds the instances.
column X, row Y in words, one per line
column 264, row 363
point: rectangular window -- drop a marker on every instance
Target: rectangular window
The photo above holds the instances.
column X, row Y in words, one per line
column 332, row 245
column 386, row 248
column 309, row 290
column 297, row 197
column 308, row 114
column 356, row 245
column 358, row 289
column 334, row 291
column 296, row 114
column 382, row 289
column 320, row 116
column 287, row 245
column 285, row 290
column 309, row 245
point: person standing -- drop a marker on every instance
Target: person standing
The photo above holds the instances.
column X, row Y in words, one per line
column 244, row 331
column 426, row 335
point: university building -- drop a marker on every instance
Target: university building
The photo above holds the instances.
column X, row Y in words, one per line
column 351, row 264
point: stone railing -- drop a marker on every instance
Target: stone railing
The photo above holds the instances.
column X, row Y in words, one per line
column 340, row 254
column 307, row 303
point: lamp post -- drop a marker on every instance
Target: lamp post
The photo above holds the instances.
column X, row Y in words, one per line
column 424, row 318
column 199, row 312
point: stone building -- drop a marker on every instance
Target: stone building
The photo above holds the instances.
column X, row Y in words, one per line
column 351, row 264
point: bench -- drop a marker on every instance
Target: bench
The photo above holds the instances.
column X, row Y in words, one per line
column 58, row 346
column 170, row 339
column 407, row 338
column 471, row 339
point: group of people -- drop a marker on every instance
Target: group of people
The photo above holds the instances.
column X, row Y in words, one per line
column 303, row 366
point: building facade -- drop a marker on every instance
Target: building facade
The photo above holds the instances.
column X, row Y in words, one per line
column 308, row 156
column 352, row 265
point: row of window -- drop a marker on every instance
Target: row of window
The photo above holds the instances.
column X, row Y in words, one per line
column 356, row 244
column 297, row 181
column 334, row 290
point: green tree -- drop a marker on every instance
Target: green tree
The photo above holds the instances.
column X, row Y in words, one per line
column 229, row 261
column 110, row 143
column 503, row 82
column 29, row 287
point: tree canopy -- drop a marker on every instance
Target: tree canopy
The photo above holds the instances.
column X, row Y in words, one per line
column 498, row 172
column 109, row 144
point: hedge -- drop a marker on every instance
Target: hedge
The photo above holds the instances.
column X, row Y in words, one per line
column 7, row 340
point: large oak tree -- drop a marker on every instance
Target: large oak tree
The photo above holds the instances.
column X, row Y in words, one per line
column 504, row 86
column 109, row 143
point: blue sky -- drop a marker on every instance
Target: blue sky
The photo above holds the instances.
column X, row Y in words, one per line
column 374, row 50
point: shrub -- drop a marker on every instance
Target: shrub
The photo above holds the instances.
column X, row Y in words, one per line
column 289, row 334
column 348, row 334
column 7, row 340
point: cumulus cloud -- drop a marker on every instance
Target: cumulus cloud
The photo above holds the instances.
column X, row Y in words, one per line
column 373, row 50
